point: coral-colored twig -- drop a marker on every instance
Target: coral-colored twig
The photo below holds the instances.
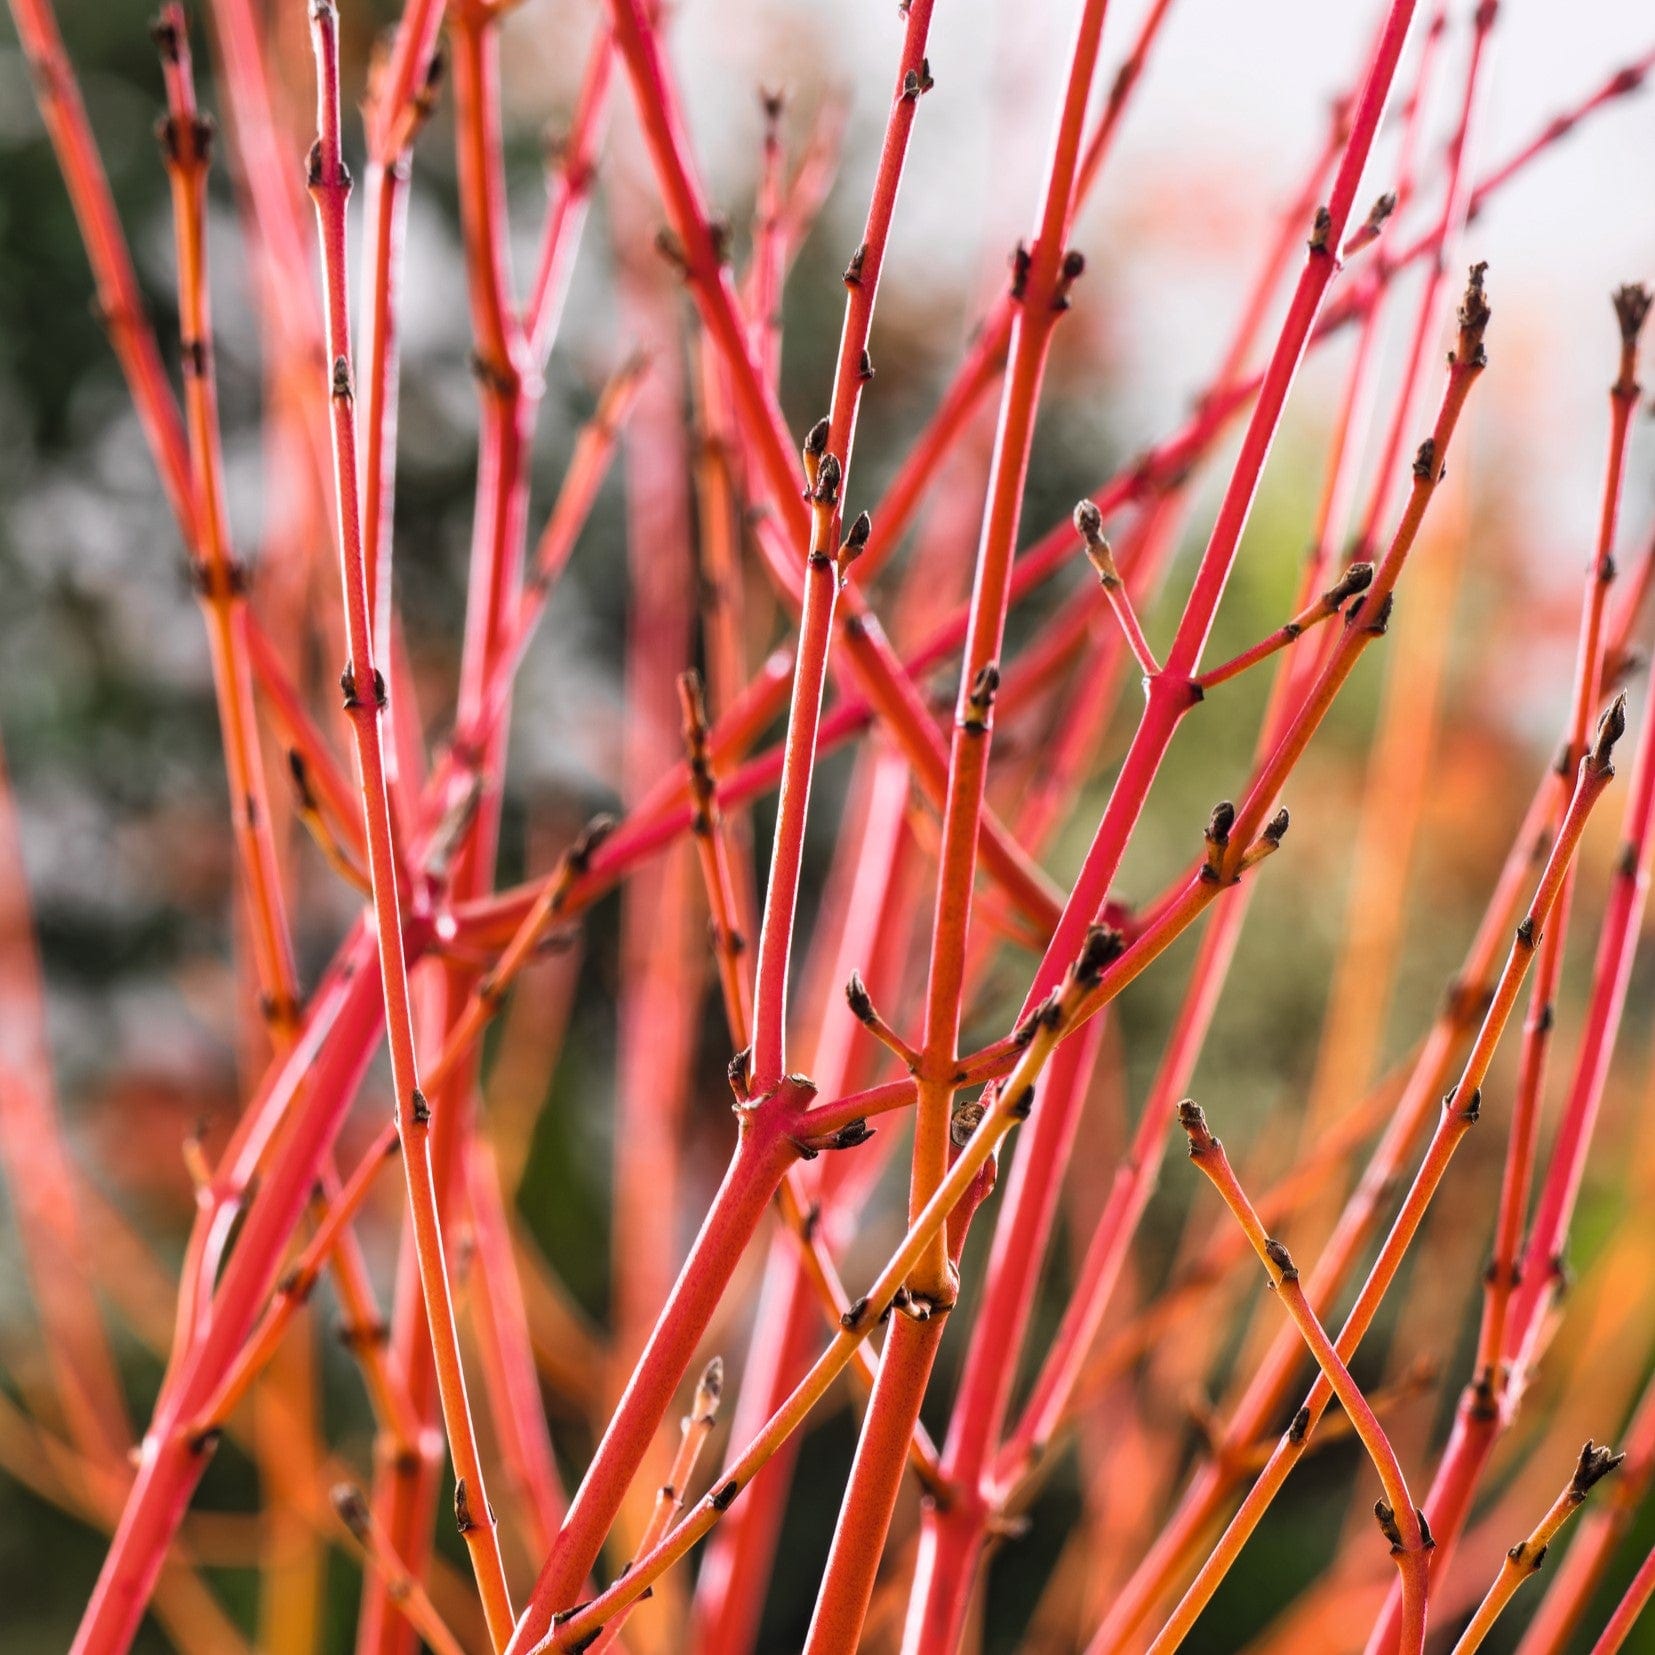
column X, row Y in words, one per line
column 364, row 688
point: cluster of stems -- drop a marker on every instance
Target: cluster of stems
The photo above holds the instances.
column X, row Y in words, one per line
column 925, row 990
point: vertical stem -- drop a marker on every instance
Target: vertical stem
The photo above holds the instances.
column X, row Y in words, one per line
column 365, row 696
column 737, row 1209
column 1629, row 1610
column 1459, row 1114
column 312, row 1089
column 1396, row 1513
column 1490, row 1400
column 1043, row 275
column 1170, row 695
column 186, row 138
column 829, row 472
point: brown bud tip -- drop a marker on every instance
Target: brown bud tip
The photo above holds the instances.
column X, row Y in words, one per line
column 985, row 685
column 1357, row 578
column 351, row 1508
column 1631, row 309
column 1368, row 231
column 772, row 103
column 1279, row 1256
column 816, row 442
column 860, row 533
column 1611, row 727
column 300, row 772
column 462, row 1507
column 588, row 840
column 1321, row 230
column 1275, row 830
column 709, row 1389
column 1074, row 262
column 1089, row 522
column 1193, row 1118
column 1592, row 1467
column 1474, row 314
column 1099, row 553
column 1103, row 944
column 1386, row 1519
column 740, row 1071
column 964, row 1122
column 166, row 31
column 672, row 250
column 858, row 998
column 1220, row 822
column 828, row 475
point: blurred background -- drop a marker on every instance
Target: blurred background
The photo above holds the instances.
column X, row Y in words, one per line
column 106, row 709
